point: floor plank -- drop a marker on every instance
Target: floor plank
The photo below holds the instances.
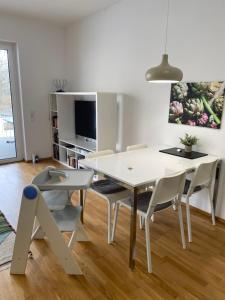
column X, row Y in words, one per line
column 195, row 273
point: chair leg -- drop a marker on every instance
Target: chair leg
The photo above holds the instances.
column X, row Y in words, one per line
column 117, row 205
column 148, row 245
column 212, row 207
column 181, row 226
column 153, row 218
column 188, row 220
column 84, row 200
column 109, row 223
column 175, row 204
column 141, row 220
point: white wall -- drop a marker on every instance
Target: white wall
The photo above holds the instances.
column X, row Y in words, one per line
column 41, row 57
column 111, row 51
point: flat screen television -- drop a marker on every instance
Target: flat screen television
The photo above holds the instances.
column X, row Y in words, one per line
column 85, row 119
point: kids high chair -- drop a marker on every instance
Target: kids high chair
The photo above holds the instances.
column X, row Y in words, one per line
column 46, row 202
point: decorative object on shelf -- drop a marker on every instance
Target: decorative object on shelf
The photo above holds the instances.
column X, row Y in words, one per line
column 35, row 158
column 188, row 141
column 60, row 85
column 197, row 103
column 164, row 73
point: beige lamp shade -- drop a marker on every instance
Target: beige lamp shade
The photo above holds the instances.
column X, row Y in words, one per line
column 164, row 73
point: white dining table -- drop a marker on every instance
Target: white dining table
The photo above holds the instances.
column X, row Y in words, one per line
column 138, row 169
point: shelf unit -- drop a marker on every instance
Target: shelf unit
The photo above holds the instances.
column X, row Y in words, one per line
column 67, row 147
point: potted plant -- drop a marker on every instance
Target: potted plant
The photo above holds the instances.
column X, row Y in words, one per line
column 188, row 141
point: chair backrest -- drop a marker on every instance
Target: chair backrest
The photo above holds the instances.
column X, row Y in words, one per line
column 204, row 175
column 99, row 153
column 167, row 189
column 136, row 147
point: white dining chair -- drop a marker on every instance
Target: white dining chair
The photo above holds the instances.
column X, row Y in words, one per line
column 166, row 191
column 108, row 190
column 133, row 148
column 136, row 147
column 203, row 179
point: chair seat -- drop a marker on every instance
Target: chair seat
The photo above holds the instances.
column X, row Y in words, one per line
column 187, row 186
column 106, row 187
column 143, row 203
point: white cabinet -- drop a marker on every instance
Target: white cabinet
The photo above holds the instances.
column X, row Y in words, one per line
column 67, row 146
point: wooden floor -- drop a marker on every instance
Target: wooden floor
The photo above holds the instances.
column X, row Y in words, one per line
column 195, row 273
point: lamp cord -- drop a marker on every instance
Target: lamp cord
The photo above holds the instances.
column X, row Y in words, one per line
column 167, row 24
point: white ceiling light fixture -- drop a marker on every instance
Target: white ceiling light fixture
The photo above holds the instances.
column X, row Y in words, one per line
column 164, row 73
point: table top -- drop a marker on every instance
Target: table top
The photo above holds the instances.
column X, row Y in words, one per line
column 139, row 167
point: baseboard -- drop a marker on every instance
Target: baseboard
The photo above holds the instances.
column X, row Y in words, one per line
column 40, row 159
column 11, row 162
column 205, row 213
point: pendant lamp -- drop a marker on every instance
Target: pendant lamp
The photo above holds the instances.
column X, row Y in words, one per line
column 164, row 73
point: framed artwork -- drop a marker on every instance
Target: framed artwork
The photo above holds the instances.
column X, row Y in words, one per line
column 197, row 103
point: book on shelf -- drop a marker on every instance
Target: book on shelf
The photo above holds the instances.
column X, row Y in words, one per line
column 72, row 161
column 56, row 137
column 55, row 121
column 56, row 151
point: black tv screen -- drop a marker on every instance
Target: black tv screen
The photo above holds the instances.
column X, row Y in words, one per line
column 85, row 119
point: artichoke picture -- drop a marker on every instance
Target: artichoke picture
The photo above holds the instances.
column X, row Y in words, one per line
column 203, row 119
column 191, row 123
column 213, row 125
column 176, row 110
column 218, row 105
column 197, row 103
column 199, row 88
column 194, row 107
column 179, row 91
column 214, row 86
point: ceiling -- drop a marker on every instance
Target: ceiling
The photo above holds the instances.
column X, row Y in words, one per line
column 62, row 12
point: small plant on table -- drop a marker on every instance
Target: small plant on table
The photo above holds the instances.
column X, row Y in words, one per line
column 188, row 141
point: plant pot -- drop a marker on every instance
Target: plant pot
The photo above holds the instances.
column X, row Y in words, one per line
column 188, row 149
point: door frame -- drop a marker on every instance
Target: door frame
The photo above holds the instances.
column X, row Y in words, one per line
column 15, row 99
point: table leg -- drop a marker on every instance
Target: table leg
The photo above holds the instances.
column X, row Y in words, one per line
column 133, row 221
column 216, row 185
column 82, row 205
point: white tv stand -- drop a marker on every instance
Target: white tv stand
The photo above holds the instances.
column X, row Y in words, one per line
column 67, row 147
